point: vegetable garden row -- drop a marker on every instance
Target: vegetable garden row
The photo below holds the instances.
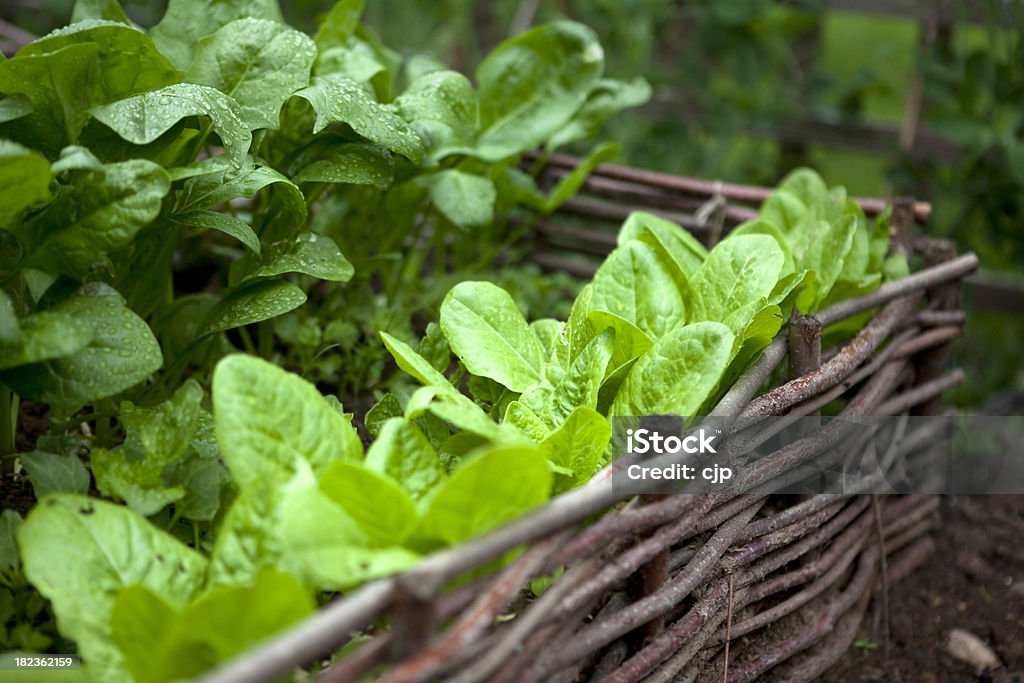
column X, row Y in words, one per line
column 224, row 183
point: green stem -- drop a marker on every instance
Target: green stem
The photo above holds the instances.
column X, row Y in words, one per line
column 314, row 194
column 440, row 253
column 250, row 347
column 174, row 519
column 170, row 372
column 200, row 142
column 410, row 263
column 493, row 247
column 8, row 426
column 88, row 417
column 104, row 423
column 266, row 341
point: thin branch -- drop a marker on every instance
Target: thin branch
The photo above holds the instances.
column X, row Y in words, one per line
column 728, row 634
column 323, row 632
column 739, row 193
column 924, row 279
column 844, row 364
column 885, row 572
column 17, row 37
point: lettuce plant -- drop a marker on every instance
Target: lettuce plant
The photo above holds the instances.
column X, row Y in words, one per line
column 665, row 327
column 312, row 513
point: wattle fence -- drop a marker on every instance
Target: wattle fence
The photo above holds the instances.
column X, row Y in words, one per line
column 728, row 586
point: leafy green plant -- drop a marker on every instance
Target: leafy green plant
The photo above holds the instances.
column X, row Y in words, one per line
column 865, row 645
column 451, row 211
column 311, row 512
column 163, row 189
column 662, row 328
column 226, row 146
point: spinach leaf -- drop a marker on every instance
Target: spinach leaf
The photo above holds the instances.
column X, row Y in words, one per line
column 53, row 473
column 532, row 85
column 342, row 100
column 488, row 333
column 63, row 75
column 467, row 200
column 442, row 107
column 144, row 118
column 43, row 336
column 608, row 97
column 257, row 62
column 186, row 21
column 121, row 344
column 101, row 214
column 81, row 552
column 251, row 303
column 270, row 423
column 351, row 163
column 339, row 24
column 307, row 253
column 24, row 181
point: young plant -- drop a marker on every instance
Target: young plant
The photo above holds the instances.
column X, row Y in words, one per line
column 665, row 327
column 162, row 189
column 313, row 513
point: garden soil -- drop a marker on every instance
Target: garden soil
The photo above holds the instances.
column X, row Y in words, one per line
column 974, row 582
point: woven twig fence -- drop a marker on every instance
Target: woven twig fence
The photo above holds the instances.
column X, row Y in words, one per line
column 727, row 586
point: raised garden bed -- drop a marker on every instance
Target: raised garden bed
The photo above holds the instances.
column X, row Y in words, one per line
column 679, row 587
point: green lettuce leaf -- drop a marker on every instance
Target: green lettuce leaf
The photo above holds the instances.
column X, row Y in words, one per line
column 270, row 421
column 160, row 642
column 678, row 374
column 486, row 490
column 488, row 332
column 81, row 552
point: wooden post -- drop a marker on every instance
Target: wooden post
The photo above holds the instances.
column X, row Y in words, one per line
column 804, row 344
column 901, row 226
column 413, row 623
column 649, row 579
column 931, row 364
column 804, row 341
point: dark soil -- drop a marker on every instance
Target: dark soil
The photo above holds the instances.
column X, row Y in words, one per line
column 975, row 582
column 33, row 421
column 16, row 494
column 15, row 490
